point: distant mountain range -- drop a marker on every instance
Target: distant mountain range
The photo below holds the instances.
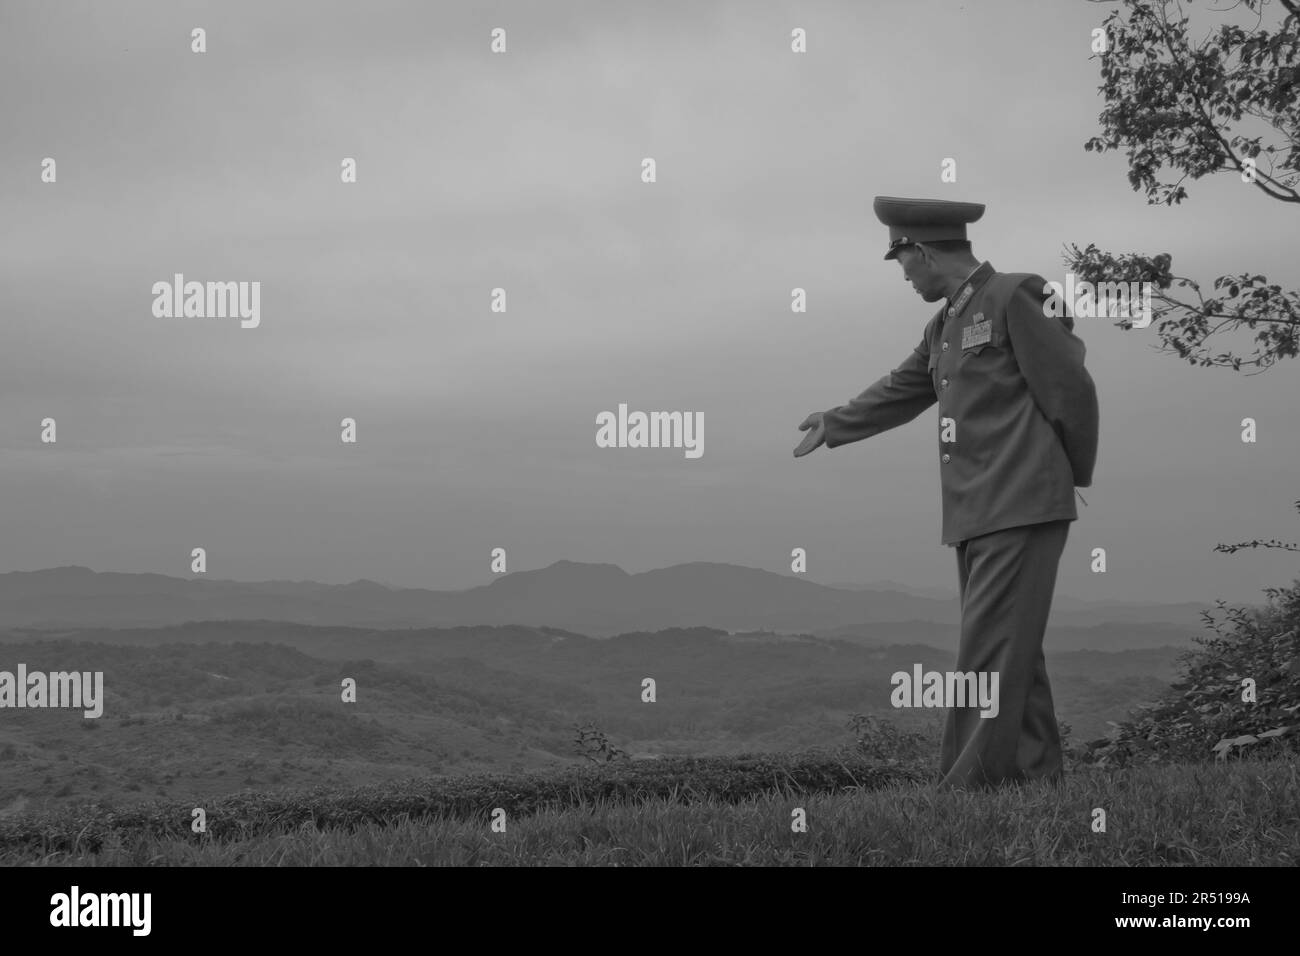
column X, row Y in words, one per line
column 215, row 707
column 594, row 599
column 1061, row 602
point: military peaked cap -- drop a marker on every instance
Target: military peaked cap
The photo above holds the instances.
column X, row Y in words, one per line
column 924, row 220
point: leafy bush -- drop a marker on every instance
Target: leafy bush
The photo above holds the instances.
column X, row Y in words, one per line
column 593, row 744
column 1203, row 716
column 882, row 740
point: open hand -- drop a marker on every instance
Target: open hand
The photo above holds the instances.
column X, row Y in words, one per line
column 816, row 436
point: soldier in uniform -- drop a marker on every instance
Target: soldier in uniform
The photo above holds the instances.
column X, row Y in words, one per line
column 1018, row 424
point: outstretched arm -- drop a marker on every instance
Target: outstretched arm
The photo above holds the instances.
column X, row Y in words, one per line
column 893, row 400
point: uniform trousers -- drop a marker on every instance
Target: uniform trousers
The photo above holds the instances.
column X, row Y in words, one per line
column 1007, row 578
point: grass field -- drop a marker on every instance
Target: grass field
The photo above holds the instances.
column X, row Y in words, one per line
column 1237, row 813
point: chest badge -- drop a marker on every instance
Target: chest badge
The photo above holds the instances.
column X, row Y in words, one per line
column 979, row 332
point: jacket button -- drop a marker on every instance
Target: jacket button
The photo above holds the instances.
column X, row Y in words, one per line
column 946, row 459
column 945, row 346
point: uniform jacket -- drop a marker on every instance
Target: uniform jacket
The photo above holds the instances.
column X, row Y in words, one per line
column 1011, row 378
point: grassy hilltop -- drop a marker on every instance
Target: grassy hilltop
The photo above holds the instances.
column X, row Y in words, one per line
column 749, row 735
column 724, row 812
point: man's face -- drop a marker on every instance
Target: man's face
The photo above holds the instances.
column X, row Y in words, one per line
column 918, row 269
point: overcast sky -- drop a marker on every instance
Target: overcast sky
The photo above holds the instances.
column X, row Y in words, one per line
column 477, row 429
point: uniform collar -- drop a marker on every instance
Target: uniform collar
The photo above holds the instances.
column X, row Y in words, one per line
column 974, row 279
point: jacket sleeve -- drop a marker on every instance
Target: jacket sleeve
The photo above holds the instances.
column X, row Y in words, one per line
column 1050, row 357
column 896, row 399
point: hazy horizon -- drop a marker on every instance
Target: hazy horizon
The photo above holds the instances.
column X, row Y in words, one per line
column 924, row 591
